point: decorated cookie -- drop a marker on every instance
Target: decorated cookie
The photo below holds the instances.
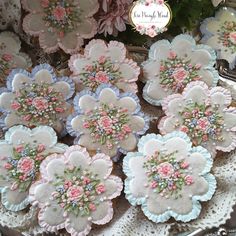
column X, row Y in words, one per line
column 104, row 63
column 171, row 66
column 204, row 115
column 60, row 24
column 10, row 55
column 107, row 121
column 168, row 177
column 21, row 154
column 36, row 98
column 220, row 33
column 75, row 191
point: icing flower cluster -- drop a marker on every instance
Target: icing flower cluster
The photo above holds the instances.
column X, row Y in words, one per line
column 166, row 175
column 177, row 72
column 23, row 165
column 227, row 35
column 60, row 15
column 100, row 71
column 38, row 104
column 108, row 124
column 76, row 191
column 202, row 122
column 6, row 64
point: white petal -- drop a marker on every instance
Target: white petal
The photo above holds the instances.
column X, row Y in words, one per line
column 5, row 100
column 107, row 95
column 79, row 158
column 62, row 87
column 55, row 168
column 128, row 103
column 52, row 216
column 43, row 76
column 12, row 119
column 130, row 143
column 137, row 123
column 150, row 147
column 103, row 213
column 77, row 124
column 96, row 49
column 19, row 80
column 117, row 51
column 87, row 103
column 78, row 225
column 101, row 165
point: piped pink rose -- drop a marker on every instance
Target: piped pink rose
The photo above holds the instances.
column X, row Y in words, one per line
column 232, row 37
column 180, row 74
column 165, row 170
column 102, row 77
column 25, row 165
column 40, row 103
column 75, row 192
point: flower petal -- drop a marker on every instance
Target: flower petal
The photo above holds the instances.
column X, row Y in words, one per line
column 113, row 186
column 87, row 28
column 79, row 158
column 88, row 7
column 85, row 140
column 207, row 76
column 229, row 142
column 200, row 56
column 103, row 214
column 33, row 23
column 41, row 192
column 77, row 63
column 101, row 165
column 213, row 26
column 86, row 103
column 128, row 103
column 78, row 225
column 160, row 49
column 183, row 46
column 5, row 100
column 117, row 51
column 150, row 147
column 48, row 41
column 32, row 5
column 14, row 200
column 151, row 69
column 53, row 169
column 62, row 87
column 130, row 143
column 12, row 119
column 77, row 125
column 43, row 76
column 168, row 124
column 230, row 118
column 129, row 70
column 137, row 123
column 19, row 80
column 95, row 49
column 71, row 42
column 51, row 217
column 107, row 95
column 220, row 96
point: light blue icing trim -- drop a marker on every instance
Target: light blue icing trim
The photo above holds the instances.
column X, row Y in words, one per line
column 3, row 90
column 182, row 37
column 207, row 34
column 31, row 75
column 195, row 199
column 79, row 112
column 10, row 206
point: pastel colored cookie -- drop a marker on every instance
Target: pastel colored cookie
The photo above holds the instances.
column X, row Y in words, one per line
column 75, row 191
column 168, row 177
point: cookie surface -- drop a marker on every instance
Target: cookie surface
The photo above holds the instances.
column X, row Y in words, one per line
column 75, row 191
column 168, row 177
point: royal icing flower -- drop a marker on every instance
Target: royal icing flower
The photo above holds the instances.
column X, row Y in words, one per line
column 60, row 23
column 203, row 114
column 172, row 66
column 104, row 63
column 10, row 55
column 107, row 121
column 75, row 191
column 168, row 177
column 35, row 99
column 220, row 33
column 21, row 154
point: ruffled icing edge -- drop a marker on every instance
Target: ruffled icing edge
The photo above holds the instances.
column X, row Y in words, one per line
column 195, row 199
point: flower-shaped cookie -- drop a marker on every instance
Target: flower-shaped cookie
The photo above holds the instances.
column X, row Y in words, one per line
column 171, row 66
column 60, row 23
column 220, row 33
column 107, row 121
column 21, row 153
column 204, row 115
column 75, row 191
column 36, row 98
column 169, row 177
column 10, row 55
column 105, row 63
